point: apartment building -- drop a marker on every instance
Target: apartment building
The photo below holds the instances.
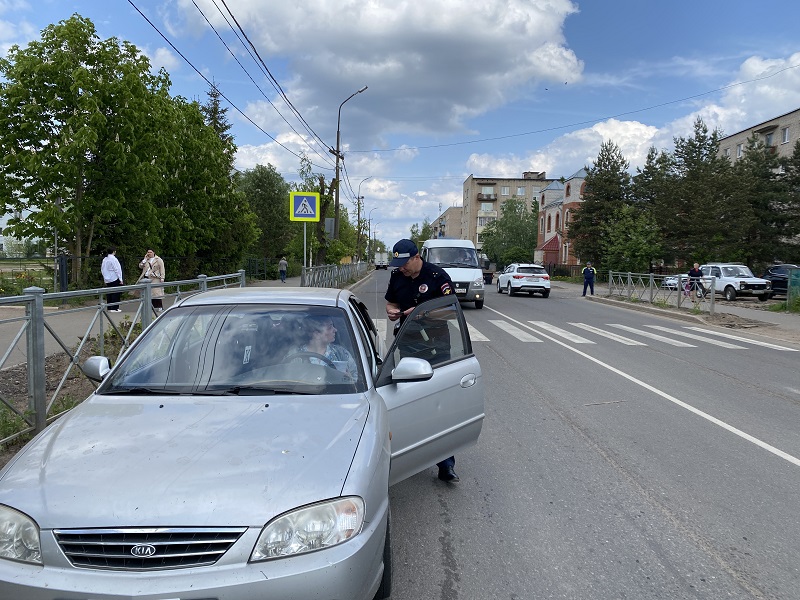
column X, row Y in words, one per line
column 485, row 196
column 779, row 134
column 449, row 224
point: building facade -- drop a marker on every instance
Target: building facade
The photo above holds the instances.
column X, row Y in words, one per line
column 485, row 196
column 450, row 224
column 557, row 204
column 779, row 135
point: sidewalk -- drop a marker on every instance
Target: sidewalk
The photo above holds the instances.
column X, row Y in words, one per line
column 789, row 322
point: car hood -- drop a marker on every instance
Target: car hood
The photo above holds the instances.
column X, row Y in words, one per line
column 469, row 274
column 181, row 461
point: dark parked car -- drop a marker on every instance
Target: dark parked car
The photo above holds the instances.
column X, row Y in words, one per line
column 779, row 276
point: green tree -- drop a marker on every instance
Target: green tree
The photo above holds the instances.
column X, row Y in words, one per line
column 267, row 193
column 216, row 117
column 608, row 189
column 631, row 240
column 80, row 123
column 791, row 207
column 514, row 230
column 418, row 234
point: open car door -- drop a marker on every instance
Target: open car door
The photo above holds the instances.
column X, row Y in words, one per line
column 432, row 385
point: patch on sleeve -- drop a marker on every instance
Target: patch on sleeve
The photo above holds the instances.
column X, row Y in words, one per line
column 446, row 289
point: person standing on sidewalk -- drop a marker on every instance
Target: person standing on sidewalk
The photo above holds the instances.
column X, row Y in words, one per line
column 112, row 276
column 589, row 273
column 153, row 268
column 696, row 280
column 283, row 266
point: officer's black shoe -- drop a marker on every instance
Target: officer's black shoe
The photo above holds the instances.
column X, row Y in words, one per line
column 448, row 474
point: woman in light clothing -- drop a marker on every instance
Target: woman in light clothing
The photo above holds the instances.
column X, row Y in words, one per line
column 153, row 268
column 112, row 276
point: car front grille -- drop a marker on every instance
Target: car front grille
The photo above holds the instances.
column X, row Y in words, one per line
column 146, row 549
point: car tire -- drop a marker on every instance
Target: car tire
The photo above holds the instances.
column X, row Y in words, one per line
column 478, row 303
column 385, row 588
column 499, row 287
column 730, row 294
column 763, row 297
column 511, row 291
column 545, row 293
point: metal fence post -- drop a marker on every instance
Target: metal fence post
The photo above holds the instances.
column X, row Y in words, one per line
column 713, row 295
column 203, row 282
column 35, row 337
column 242, row 279
column 147, row 302
column 630, row 286
column 652, row 285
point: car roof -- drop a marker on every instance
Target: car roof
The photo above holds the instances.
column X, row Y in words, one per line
column 528, row 265
column 270, row 295
column 723, row 264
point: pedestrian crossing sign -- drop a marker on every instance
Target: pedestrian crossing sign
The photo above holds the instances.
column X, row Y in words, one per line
column 304, row 206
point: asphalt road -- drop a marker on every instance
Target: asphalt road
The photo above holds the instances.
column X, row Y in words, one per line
column 610, row 467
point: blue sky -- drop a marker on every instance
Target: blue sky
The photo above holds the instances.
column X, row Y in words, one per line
column 492, row 88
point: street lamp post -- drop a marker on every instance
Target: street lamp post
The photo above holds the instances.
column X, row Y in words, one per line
column 359, row 198
column 369, row 233
column 338, row 155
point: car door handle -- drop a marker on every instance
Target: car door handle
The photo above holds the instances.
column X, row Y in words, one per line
column 468, row 380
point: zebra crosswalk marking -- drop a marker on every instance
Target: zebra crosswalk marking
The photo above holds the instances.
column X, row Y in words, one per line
column 612, row 336
column 698, row 337
column 475, row 335
column 522, row 336
column 653, row 336
column 561, row 332
column 742, row 339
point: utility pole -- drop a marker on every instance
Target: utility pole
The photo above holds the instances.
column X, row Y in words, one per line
column 338, row 154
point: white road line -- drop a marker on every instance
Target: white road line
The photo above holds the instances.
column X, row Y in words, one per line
column 380, row 325
column 653, row 336
column 612, row 336
column 576, row 339
column 742, row 339
column 522, row 336
column 475, row 335
column 746, row 436
column 697, row 337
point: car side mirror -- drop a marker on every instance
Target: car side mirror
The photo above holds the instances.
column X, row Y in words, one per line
column 96, row 367
column 412, row 369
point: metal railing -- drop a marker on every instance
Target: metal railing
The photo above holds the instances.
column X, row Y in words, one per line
column 332, row 276
column 667, row 290
column 45, row 331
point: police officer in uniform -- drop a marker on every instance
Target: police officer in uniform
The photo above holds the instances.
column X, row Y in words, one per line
column 412, row 282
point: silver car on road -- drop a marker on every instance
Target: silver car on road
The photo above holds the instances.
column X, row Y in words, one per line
column 242, row 448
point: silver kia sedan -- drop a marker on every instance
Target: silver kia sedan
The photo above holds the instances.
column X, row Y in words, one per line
column 242, row 448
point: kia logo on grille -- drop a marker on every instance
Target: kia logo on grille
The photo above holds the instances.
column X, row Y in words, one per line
column 143, row 550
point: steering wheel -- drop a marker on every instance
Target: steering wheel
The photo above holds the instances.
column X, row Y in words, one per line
column 307, row 355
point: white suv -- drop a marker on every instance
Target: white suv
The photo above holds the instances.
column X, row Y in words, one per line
column 524, row 278
column 736, row 279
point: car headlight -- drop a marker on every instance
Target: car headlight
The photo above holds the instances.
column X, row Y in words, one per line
column 19, row 537
column 311, row 528
column 478, row 283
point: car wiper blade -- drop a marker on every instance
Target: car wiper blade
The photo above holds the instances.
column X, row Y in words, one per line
column 139, row 391
column 255, row 390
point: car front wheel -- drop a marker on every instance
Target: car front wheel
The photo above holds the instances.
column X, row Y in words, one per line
column 730, row 294
column 385, row 589
column 763, row 297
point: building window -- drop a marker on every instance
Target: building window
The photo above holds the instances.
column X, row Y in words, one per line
column 566, row 218
column 487, row 189
column 484, row 221
column 738, row 151
column 504, row 190
column 727, row 152
column 557, row 221
column 548, row 223
column 521, row 191
column 785, row 135
column 542, row 200
column 487, row 207
column 583, row 189
column 768, row 139
column 569, row 190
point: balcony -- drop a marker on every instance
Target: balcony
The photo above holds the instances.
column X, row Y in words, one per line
column 487, row 196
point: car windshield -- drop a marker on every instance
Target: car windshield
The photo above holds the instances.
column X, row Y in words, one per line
column 736, row 271
column 242, row 350
column 454, row 257
column 532, row 270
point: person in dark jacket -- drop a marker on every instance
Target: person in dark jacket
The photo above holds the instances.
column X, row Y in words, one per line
column 696, row 280
column 589, row 273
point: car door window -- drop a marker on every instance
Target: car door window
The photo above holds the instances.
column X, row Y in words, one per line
column 436, row 331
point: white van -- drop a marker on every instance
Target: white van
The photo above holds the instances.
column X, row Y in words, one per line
column 460, row 260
